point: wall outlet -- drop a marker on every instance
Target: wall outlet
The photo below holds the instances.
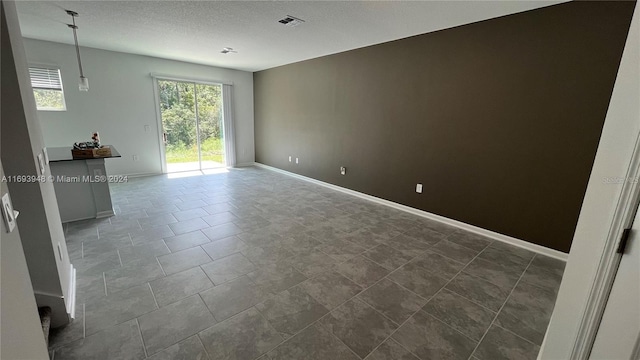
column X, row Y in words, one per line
column 289, row 158
column 296, row 160
column 343, row 170
column 7, row 213
column 135, row 158
column 419, row 188
column 147, row 128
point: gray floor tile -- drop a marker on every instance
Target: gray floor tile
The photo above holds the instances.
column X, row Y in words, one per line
column 479, row 291
column 544, row 272
column 438, row 264
column 89, row 287
column 454, row 251
column 260, row 238
column 298, row 234
column 133, row 273
column 424, row 233
column 495, row 273
column 393, row 301
column 101, row 248
column 250, row 223
column 313, row 263
column 222, row 231
column 172, row 323
column 190, row 214
column 362, row 271
column 233, row 297
column 359, row 326
column 96, row 266
column 277, row 277
column 186, row 226
column 341, row 250
column 118, row 307
column 331, row 289
column 346, row 224
column 429, row 338
column 143, row 236
column 314, row 343
column 500, row 344
column 511, row 250
column 228, row 268
column 301, row 244
column 188, row 349
column 220, row 218
column 266, row 255
column 184, row 259
column 418, row 279
column 387, row 257
column 245, row 336
column 120, row 342
column 367, row 238
column 291, row 311
column 148, row 249
column 391, row 350
column 528, row 311
column 408, row 245
column 70, row 332
column 218, row 208
column 461, row 314
column 157, row 220
column 186, row 240
column 180, row 285
column 193, row 204
column 224, row 247
column 469, row 240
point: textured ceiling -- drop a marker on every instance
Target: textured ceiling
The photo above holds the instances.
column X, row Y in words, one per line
column 196, row 31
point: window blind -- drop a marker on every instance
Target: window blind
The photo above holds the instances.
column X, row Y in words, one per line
column 45, row 79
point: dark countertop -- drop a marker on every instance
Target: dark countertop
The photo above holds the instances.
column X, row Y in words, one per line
column 64, row 154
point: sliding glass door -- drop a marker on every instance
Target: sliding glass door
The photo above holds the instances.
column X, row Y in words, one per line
column 192, row 123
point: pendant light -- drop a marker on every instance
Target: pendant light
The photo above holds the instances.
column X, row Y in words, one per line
column 83, row 85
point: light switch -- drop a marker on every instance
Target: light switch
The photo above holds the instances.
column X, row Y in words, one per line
column 7, row 213
column 41, row 166
column 419, row 188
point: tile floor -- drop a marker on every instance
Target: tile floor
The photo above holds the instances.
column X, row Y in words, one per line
column 252, row 264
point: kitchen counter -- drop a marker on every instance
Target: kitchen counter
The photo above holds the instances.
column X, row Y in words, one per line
column 81, row 185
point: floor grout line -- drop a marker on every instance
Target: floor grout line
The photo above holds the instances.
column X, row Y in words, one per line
column 144, row 346
column 500, row 311
column 154, row 296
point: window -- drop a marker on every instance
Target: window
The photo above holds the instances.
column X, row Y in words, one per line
column 47, row 88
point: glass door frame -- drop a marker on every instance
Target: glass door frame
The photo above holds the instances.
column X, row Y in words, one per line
column 160, row 127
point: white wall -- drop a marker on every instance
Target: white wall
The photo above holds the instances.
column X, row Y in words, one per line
column 22, row 140
column 120, row 102
column 21, row 332
column 621, row 129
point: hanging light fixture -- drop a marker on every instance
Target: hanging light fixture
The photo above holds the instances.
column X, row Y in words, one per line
column 83, row 85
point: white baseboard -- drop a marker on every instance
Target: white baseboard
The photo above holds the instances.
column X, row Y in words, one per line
column 104, row 214
column 245, row 164
column 459, row 224
column 71, row 303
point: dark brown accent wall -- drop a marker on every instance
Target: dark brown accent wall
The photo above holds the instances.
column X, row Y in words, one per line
column 500, row 119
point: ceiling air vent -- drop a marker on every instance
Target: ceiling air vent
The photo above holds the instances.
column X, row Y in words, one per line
column 291, row 21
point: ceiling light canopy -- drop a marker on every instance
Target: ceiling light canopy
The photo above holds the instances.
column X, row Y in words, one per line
column 291, row 21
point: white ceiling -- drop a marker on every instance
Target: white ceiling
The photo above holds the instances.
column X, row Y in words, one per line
column 196, row 31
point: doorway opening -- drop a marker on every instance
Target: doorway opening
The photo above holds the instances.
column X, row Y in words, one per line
column 192, row 125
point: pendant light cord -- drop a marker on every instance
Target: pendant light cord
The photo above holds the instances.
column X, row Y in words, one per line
column 75, row 38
